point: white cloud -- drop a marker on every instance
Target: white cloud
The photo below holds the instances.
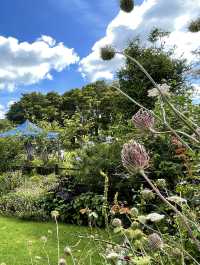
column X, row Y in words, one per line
column 28, row 63
column 170, row 15
column 2, row 111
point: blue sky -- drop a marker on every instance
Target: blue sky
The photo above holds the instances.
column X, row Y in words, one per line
column 79, row 24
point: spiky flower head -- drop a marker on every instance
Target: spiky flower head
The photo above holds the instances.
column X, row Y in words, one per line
column 107, row 53
column 134, row 157
column 155, row 241
column 143, row 119
column 116, row 222
column 134, row 212
column 127, row 5
column 62, row 262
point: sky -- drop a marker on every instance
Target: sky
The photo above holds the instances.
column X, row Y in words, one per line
column 53, row 45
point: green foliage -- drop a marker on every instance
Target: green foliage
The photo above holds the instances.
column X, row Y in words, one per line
column 9, row 181
column 11, row 154
column 160, row 66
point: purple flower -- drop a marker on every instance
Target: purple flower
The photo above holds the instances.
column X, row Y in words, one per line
column 134, row 156
column 143, row 119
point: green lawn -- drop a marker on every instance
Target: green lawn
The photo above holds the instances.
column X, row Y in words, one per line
column 14, row 235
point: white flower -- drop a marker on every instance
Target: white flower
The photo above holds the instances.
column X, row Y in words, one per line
column 177, row 199
column 155, row 217
column 164, row 88
column 112, row 256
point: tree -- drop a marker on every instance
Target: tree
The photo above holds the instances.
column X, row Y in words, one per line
column 161, row 67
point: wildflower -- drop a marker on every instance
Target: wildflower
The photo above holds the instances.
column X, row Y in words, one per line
column 62, row 262
column 107, row 53
column 135, row 225
column 112, row 256
column 127, row 5
column 155, row 217
column 44, row 239
column 145, row 260
column 134, row 212
column 143, row 119
column 116, row 222
column 177, row 199
column 147, row 194
column 67, row 251
column 164, row 89
column 134, row 234
column 161, row 183
column 134, row 156
column 55, row 214
column 155, row 241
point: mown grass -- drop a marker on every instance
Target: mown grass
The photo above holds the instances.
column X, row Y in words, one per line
column 16, row 235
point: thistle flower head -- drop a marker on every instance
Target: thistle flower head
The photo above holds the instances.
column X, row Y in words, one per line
column 107, row 53
column 155, row 241
column 134, row 156
column 62, row 262
column 143, row 119
column 127, row 5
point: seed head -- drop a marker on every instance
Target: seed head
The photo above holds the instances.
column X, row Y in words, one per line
column 155, row 241
column 134, row 212
column 62, row 262
column 117, row 222
column 67, row 251
column 134, row 156
column 143, row 119
column 54, row 214
column 127, row 5
column 107, row 53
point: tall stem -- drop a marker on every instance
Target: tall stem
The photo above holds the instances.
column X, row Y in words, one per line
column 183, row 218
column 190, row 124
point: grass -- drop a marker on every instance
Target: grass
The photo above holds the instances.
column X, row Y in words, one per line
column 15, row 235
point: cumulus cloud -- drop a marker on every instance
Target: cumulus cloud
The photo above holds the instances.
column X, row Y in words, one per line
column 170, row 15
column 2, row 111
column 24, row 63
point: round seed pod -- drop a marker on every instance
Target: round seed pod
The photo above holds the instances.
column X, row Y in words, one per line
column 127, row 5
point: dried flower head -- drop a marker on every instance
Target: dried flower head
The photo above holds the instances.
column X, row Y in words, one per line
column 62, row 262
column 143, row 119
column 116, row 222
column 107, row 53
column 155, row 241
column 54, row 214
column 134, row 156
column 67, row 251
column 164, row 89
column 127, row 5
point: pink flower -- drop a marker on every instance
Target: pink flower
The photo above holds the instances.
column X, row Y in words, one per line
column 143, row 119
column 134, row 156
